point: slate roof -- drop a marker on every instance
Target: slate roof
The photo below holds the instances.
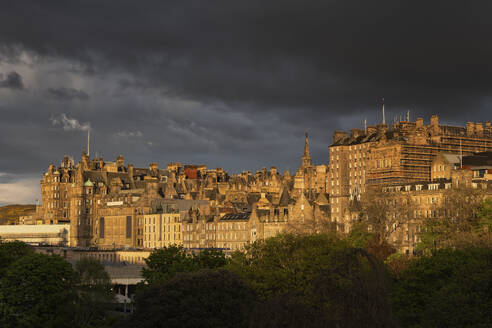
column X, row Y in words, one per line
column 236, row 217
column 284, row 198
column 479, row 159
column 389, row 135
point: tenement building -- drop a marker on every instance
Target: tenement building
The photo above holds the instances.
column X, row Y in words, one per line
column 379, row 156
column 113, row 205
column 431, row 199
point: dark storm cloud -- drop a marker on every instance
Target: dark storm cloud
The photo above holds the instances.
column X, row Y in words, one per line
column 334, row 55
column 13, row 80
column 231, row 83
column 67, row 94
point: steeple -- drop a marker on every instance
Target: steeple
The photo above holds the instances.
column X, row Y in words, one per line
column 306, row 146
column 306, row 158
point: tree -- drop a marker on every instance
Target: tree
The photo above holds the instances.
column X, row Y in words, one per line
column 209, row 259
column 164, row 263
column 11, row 252
column 451, row 288
column 455, row 220
column 37, row 290
column 360, row 237
column 385, row 213
column 330, row 282
column 485, row 219
column 207, row 298
column 95, row 293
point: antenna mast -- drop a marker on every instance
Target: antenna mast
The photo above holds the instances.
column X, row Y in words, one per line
column 384, row 120
column 461, row 156
column 89, row 142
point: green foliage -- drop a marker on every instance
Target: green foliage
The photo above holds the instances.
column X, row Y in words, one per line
column 455, row 221
column 451, row 288
column 336, row 284
column 359, row 235
column 11, row 252
column 94, row 291
column 285, row 263
column 208, row 298
column 91, row 273
column 210, row 259
column 485, row 218
column 164, row 263
column 397, row 263
column 38, row 291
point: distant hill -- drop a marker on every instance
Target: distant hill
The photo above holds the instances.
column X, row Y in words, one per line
column 10, row 213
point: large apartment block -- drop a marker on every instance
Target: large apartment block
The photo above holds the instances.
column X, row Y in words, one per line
column 379, row 156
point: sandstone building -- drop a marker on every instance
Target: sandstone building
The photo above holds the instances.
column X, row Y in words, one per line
column 380, row 156
column 113, row 205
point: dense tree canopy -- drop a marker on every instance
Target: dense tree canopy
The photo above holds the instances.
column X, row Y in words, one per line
column 95, row 294
column 38, row 291
column 451, row 288
column 455, row 221
column 164, row 263
column 11, row 252
column 320, row 277
column 384, row 212
column 207, row 298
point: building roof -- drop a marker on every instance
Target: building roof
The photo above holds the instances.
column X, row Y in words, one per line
column 478, row 159
column 236, row 216
column 452, row 158
column 88, row 183
column 284, row 198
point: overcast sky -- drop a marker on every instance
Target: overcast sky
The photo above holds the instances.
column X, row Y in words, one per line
column 232, row 84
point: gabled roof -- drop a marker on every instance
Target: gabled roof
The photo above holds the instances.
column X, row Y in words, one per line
column 322, row 199
column 284, row 198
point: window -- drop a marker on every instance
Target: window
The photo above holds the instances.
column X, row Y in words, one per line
column 101, row 228
column 129, row 227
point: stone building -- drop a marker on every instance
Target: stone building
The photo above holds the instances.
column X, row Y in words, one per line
column 162, row 229
column 113, row 205
column 378, row 156
column 309, row 178
column 428, row 197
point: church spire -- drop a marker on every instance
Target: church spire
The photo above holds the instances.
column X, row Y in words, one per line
column 306, row 146
column 306, row 158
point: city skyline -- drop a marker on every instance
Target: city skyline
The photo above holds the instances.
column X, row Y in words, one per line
column 225, row 84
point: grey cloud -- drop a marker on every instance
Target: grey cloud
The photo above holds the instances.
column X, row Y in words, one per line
column 128, row 134
column 13, row 80
column 324, row 55
column 232, row 83
column 69, row 123
column 67, row 94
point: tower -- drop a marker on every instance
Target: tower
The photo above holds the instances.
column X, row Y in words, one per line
column 306, row 158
